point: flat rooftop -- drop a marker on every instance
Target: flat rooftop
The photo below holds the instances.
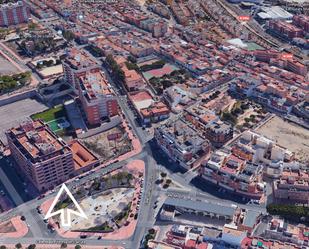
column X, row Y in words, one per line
column 95, row 85
column 37, row 141
column 201, row 206
column 80, row 59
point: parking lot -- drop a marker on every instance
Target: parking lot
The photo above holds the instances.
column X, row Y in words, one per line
column 13, row 114
column 7, row 67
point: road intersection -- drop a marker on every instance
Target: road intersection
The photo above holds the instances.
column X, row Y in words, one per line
column 40, row 234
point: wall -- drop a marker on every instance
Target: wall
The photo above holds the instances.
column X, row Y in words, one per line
column 104, row 127
column 17, row 97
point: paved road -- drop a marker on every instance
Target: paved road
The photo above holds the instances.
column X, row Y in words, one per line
column 146, row 218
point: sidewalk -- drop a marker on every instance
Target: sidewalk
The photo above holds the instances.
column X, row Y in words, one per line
column 20, row 227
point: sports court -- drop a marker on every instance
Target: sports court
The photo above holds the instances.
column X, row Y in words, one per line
column 58, row 124
column 55, row 118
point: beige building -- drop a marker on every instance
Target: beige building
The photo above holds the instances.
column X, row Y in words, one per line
column 43, row 157
column 292, row 186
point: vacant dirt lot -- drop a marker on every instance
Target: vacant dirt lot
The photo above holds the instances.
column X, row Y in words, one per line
column 289, row 135
column 107, row 149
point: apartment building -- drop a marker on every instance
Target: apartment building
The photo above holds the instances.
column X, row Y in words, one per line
column 218, row 133
column 77, row 64
column 97, row 99
column 209, row 124
column 42, row 156
column 182, row 143
column 234, row 174
column 14, row 13
column 302, row 21
column 285, row 29
column 280, row 230
column 240, row 168
column 293, row 185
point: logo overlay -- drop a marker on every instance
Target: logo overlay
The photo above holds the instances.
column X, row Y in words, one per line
column 65, row 214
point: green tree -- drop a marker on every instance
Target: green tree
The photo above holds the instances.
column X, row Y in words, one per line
column 32, row 26
column 3, row 247
column 18, row 246
column 116, row 69
column 32, row 246
column 68, row 35
column 3, row 33
column 78, row 247
column 63, row 245
column 132, row 59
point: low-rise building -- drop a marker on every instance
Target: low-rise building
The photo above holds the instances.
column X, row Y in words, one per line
column 133, row 80
column 156, row 112
column 211, row 210
column 293, row 186
column 280, row 230
column 149, row 110
column 84, row 160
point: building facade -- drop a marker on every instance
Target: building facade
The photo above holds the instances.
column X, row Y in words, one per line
column 77, row 64
column 89, row 82
column 96, row 97
column 14, row 13
column 44, row 158
column 292, row 186
column 182, row 143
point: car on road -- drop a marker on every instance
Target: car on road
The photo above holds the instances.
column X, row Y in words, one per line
column 50, row 227
column 39, row 209
column 256, row 202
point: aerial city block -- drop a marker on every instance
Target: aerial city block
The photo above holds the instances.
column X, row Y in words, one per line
column 160, row 124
